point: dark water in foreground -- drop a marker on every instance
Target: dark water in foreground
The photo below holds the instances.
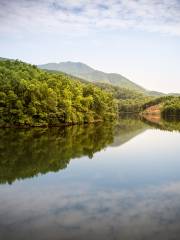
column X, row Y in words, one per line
column 91, row 182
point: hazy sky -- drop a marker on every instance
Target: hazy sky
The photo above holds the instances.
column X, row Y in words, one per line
column 139, row 39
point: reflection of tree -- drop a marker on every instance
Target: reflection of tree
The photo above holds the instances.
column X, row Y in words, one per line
column 25, row 153
column 170, row 124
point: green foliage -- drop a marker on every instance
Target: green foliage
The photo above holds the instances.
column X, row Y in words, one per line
column 119, row 92
column 131, row 105
column 155, row 101
column 128, row 101
column 170, row 106
column 32, row 97
column 85, row 72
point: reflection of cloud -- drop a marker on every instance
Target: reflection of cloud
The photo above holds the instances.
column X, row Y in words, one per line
column 63, row 15
column 79, row 212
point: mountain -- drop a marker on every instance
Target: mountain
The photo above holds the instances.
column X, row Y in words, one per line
column 83, row 71
column 6, row 59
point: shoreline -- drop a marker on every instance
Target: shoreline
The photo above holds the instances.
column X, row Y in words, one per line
column 49, row 126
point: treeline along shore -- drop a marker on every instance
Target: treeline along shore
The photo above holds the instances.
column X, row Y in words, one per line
column 30, row 97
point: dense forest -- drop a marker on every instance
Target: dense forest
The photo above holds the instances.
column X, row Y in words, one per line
column 32, row 97
column 128, row 100
column 135, row 102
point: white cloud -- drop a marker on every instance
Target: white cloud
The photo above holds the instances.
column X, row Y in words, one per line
column 67, row 16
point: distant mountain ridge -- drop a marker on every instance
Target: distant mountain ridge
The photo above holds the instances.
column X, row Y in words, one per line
column 83, row 71
column 4, row 59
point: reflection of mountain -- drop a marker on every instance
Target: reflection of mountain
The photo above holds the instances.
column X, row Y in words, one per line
column 128, row 129
column 26, row 153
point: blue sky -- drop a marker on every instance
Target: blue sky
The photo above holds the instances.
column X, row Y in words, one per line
column 139, row 39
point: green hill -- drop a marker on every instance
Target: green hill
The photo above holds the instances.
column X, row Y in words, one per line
column 80, row 71
column 85, row 72
column 32, row 97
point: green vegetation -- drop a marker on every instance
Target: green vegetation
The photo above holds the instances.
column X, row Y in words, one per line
column 85, row 72
column 131, row 105
column 128, row 101
column 169, row 106
column 32, row 97
column 156, row 101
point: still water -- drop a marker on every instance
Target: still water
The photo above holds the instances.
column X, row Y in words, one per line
column 100, row 181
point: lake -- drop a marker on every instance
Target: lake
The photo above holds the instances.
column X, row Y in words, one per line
column 97, row 181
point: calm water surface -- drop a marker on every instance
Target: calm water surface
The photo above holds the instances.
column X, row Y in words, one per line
column 91, row 182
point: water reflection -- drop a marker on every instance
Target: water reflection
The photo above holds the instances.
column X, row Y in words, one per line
column 169, row 124
column 124, row 182
column 28, row 152
column 126, row 129
column 25, row 153
column 63, row 213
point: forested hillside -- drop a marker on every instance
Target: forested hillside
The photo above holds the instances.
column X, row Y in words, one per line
column 128, row 101
column 169, row 106
column 83, row 71
column 87, row 73
column 32, row 97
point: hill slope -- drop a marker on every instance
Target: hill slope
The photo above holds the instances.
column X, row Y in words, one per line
column 84, row 71
column 32, row 97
